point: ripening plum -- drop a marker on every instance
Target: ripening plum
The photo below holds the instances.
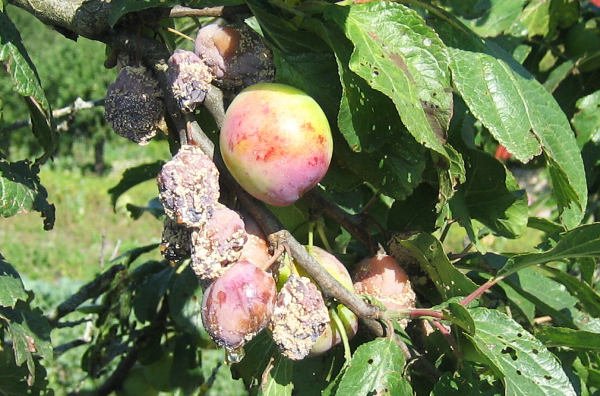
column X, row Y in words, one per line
column 238, row 305
column 276, row 142
column 383, row 278
column 256, row 248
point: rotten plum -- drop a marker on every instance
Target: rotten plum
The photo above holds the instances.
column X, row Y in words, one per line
column 188, row 78
column 299, row 318
column 238, row 305
column 133, row 106
column 218, row 243
column 384, row 279
column 189, row 186
column 176, row 240
column 236, row 55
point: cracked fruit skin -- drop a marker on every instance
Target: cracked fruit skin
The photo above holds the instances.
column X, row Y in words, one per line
column 276, row 142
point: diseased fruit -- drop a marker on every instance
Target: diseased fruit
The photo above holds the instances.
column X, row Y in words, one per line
column 238, row 305
column 189, row 186
column 236, row 56
column 218, row 243
column 256, row 248
column 276, row 142
column 188, row 79
column 176, row 240
column 332, row 336
column 133, row 105
column 383, row 278
column 299, row 318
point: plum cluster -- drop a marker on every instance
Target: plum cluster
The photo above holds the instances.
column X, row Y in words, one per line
column 230, row 256
column 231, row 57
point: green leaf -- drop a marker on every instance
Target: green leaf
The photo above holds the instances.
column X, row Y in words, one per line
column 517, row 110
column 26, row 82
column 488, row 18
column 586, row 122
column 467, row 381
column 399, row 55
column 134, row 176
column 21, row 192
column 586, row 296
column 520, row 360
column 185, row 303
column 449, row 281
column 11, row 286
column 541, row 18
column 549, row 297
column 417, row 212
column 460, row 316
column 376, row 368
column 122, row 7
column 30, row 333
column 564, row 337
column 583, row 241
column 278, row 381
column 492, row 195
column 148, row 294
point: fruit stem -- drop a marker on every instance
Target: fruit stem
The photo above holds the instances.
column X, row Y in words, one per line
column 321, row 231
column 342, row 330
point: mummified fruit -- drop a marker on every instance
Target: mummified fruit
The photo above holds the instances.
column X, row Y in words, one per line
column 133, row 105
column 300, row 316
column 218, row 243
column 238, row 305
column 188, row 78
column 276, row 142
column 383, row 278
column 236, row 55
column 189, row 186
column 176, row 240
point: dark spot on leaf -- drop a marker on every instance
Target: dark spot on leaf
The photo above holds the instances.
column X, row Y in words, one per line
column 370, row 361
column 510, row 351
column 547, row 377
column 519, row 372
column 535, row 351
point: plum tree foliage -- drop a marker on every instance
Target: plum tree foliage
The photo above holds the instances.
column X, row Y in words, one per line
column 438, row 111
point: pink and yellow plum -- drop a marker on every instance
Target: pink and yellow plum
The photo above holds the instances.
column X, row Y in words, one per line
column 276, row 142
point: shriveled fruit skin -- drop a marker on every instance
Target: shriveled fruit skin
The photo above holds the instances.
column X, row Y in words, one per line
column 383, row 278
column 176, row 240
column 217, row 244
column 299, row 318
column 189, row 186
column 133, row 105
column 331, row 335
column 276, row 142
column 238, row 305
column 188, row 79
column 236, row 56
